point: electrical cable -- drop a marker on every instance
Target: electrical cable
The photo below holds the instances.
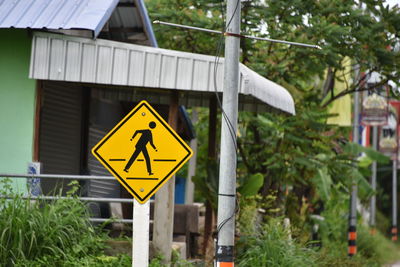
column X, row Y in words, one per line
column 237, row 209
column 231, row 128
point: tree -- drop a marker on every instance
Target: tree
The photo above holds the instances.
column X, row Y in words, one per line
column 367, row 31
column 301, row 152
column 343, row 29
column 204, row 14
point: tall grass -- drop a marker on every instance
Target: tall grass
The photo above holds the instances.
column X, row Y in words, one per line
column 32, row 230
column 273, row 247
column 372, row 250
column 377, row 247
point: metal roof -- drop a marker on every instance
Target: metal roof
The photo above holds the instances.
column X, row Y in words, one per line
column 56, row 14
column 75, row 59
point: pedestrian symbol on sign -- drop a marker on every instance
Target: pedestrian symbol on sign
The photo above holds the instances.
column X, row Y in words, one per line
column 145, row 138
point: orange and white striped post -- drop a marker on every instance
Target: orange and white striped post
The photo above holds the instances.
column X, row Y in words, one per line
column 352, row 241
column 225, row 264
column 394, row 233
column 352, row 238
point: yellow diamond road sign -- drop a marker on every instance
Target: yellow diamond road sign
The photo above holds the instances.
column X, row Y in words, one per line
column 142, row 151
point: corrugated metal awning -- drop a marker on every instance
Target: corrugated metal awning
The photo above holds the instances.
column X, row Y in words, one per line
column 56, row 14
column 65, row 58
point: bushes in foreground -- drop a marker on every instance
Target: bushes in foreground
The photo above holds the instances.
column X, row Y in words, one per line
column 271, row 244
column 58, row 233
column 54, row 233
column 49, row 233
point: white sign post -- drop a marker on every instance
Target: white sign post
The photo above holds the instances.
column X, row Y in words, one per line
column 140, row 234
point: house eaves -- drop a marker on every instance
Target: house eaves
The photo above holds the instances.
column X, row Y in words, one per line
column 130, row 23
column 74, row 59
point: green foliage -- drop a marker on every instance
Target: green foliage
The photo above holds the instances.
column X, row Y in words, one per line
column 248, row 220
column 157, row 261
column 376, row 248
column 46, row 233
column 176, row 261
column 304, row 155
column 383, row 223
column 323, row 183
column 300, row 162
column 272, row 246
column 300, row 152
column 372, row 250
column 204, row 14
column 333, row 229
column 372, row 154
column 207, row 177
column 340, row 27
column 314, row 163
column 74, row 261
column 251, row 185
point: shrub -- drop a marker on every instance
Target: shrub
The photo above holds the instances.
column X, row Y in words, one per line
column 372, row 250
column 40, row 229
column 376, row 247
column 75, row 261
column 273, row 247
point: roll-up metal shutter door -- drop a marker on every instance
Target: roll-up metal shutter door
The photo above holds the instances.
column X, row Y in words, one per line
column 60, row 131
column 104, row 114
column 99, row 188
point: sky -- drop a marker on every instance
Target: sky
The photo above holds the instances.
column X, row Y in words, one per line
column 393, row 2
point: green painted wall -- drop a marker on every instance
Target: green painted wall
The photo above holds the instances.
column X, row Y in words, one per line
column 17, row 102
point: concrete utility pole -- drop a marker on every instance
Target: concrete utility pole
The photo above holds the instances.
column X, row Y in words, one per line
column 372, row 222
column 394, row 200
column 227, row 170
column 353, row 199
